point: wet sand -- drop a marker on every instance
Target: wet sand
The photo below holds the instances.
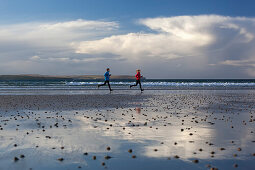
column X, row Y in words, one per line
column 186, row 129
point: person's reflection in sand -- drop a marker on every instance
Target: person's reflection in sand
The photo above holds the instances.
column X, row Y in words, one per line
column 138, row 110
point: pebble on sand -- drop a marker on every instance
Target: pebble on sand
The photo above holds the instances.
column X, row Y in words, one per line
column 176, row 156
column 213, row 168
column 222, row 149
column 60, row 159
column 107, row 157
column 16, row 159
column 195, row 161
column 158, row 118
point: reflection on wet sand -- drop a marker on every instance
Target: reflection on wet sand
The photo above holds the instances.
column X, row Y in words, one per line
column 138, row 110
column 168, row 140
column 203, row 127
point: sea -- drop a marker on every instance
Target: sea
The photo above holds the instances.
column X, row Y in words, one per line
column 16, row 86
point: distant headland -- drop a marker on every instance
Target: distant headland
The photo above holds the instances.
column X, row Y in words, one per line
column 60, row 77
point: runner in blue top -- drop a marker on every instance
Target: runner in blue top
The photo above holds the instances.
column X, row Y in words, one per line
column 107, row 79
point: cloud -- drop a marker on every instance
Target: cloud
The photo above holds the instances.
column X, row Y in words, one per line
column 243, row 63
column 77, row 29
column 48, row 45
column 195, row 42
column 68, row 59
column 248, row 64
column 36, row 57
column 53, row 36
column 174, row 37
column 203, row 46
column 171, row 40
column 137, row 46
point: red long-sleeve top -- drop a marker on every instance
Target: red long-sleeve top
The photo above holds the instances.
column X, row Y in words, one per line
column 138, row 76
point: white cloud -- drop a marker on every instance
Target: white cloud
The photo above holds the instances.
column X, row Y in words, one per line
column 35, row 57
column 48, row 29
column 68, row 59
column 239, row 62
column 248, row 64
column 199, row 45
column 174, row 37
column 140, row 46
column 199, row 41
column 171, row 40
column 54, row 35
column 43, row 44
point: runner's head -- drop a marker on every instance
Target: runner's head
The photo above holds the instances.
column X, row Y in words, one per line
column 138, row 70
column 108, row 69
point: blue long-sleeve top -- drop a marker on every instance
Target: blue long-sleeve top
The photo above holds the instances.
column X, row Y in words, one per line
column 107, row 76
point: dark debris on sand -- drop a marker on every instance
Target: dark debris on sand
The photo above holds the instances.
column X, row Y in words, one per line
column 164, row 110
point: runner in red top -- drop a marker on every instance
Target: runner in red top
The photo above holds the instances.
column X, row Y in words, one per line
column 138, row 75
column 138, row 79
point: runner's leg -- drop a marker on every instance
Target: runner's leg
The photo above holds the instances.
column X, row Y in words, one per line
column 109, row 85
column 102, row 84
column 139, row 81
column 134, row 84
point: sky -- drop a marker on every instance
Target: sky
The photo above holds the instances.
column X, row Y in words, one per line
column 174, row 39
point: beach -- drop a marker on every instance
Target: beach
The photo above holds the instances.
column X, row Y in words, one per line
column 156, row 129
column 127, row 85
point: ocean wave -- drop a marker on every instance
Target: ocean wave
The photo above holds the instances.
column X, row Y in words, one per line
column 125, row 83
column 171, row 84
